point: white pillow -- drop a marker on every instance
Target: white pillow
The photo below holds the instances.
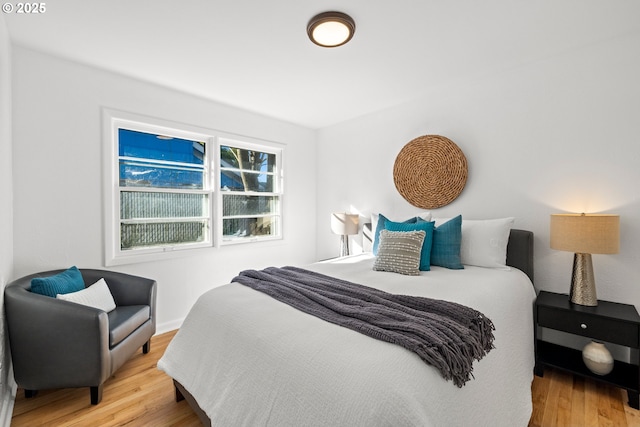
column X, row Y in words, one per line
column 484, row 242
column 425, row 216
column 96, row 295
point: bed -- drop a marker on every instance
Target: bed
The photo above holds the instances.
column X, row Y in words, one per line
column 242, row 358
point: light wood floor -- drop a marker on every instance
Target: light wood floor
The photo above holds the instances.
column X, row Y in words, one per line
column 141, row 395
column 561, row 399
column 137, row 395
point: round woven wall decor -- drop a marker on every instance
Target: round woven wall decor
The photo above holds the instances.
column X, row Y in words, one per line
column 430, row 171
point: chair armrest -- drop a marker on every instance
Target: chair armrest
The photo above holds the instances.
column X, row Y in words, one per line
column 52, row 339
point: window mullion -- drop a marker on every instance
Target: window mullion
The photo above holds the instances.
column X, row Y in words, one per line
column 162, row 190
column 163, row 220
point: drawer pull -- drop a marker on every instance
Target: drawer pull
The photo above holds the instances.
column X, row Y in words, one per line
column 583, row 326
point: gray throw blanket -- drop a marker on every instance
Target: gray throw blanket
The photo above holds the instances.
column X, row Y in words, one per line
column 446, row 335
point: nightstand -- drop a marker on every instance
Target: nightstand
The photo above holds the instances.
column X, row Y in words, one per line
column 608, row 321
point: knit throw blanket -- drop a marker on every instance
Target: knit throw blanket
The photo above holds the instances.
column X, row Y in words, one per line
column 446, row 335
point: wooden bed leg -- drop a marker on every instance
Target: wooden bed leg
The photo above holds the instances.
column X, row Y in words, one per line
column 183, row 394
column 179, row 395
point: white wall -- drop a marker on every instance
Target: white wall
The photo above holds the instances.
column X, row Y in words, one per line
column 7, row 385
column 561, row 134
column 58, row 204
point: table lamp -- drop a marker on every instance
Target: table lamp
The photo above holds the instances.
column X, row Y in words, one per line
column 585, row 235
column 345, row 225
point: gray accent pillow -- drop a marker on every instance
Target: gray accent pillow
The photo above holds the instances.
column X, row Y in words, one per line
column 399, row 252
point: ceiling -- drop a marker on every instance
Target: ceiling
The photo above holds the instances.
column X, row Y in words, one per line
column 255, row 54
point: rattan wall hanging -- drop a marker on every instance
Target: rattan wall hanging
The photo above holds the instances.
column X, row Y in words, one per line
column 430, row 171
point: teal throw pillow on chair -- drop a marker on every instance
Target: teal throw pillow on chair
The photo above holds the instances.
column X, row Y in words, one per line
column 68, row 281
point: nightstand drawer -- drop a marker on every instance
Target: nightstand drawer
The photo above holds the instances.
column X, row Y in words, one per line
column 585, row 324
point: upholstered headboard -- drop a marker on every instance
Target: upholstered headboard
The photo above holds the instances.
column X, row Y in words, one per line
column 520, row 251
column 519, row 248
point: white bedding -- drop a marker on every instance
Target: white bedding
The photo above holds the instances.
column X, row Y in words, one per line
column 250, row 360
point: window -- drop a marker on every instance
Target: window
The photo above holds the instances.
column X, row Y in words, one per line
column 164, row 198
column 250, row 189
column 170, row 187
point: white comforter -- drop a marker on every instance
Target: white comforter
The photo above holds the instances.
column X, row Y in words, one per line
column 250, row 360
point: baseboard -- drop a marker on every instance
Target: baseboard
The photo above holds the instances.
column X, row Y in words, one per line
column 168, row 326
column 8, row 400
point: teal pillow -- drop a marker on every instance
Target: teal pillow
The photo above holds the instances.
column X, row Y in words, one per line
column 445, row 251
column 66, row 282
column 382, row 220
column 427, row 227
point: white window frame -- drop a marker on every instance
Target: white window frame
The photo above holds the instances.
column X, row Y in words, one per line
column 213, row 139
column 113, row 121
column 278, row 192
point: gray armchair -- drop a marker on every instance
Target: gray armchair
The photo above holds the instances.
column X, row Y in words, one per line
column 61, row 344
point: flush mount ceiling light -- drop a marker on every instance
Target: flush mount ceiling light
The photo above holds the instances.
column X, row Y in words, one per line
column 331, row 29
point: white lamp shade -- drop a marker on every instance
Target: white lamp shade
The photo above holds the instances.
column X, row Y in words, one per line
column 344, row 224
column 585, row 233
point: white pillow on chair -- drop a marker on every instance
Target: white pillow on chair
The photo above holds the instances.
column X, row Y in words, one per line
column 97, row 295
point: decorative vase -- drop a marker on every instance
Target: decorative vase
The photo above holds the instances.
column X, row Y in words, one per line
column 597, row 358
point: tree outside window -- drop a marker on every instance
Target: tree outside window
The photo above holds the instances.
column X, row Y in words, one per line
column 250, row 193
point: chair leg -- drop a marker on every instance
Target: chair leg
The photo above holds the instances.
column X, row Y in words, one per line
column 96, row 394
column 30, row 393
column 146, row 347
